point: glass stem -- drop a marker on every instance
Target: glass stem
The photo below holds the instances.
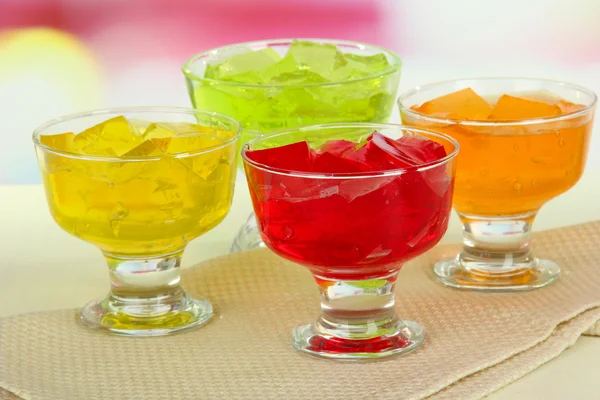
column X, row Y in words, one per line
column 497, row 245
column 145, row 287
column 358, row 321
column 357, row 309
column 145, row 298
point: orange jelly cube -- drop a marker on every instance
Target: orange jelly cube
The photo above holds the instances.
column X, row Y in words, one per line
column 515, row 108
column 566, row 107
column 464, row 104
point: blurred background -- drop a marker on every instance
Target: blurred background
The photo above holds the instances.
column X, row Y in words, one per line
column 63, row 56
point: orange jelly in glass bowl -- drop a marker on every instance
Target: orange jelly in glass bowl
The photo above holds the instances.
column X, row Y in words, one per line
column 509, row 168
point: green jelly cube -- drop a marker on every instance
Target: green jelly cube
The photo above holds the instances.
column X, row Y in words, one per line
column 238, row 66
column 322, row 59
column 368, row 64
column 302, row 77
column 273, row 73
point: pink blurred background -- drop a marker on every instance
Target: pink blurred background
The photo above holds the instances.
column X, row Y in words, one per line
column 63, row 56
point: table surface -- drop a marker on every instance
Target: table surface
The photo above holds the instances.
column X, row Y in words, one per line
column 44, row 268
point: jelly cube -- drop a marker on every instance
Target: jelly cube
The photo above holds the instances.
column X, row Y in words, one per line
column 368, row 64
column 373, row 156
column 113, row 137
column 168, row 129
column 419, row 150
column 249, row 63
column 300, row 77
column 352, row 189
column 338, row 147
column 294, row 157
column 139, row 126
column 358, row 66
column 322, row 59
column 390, row 150
column 158, row 131
column 276, row 73
column 463, row 104
column 566, row 107
column 332, row 163
column 183, row 137
column 515, row 108
column 152, row 147
column 179, row 145
column 63, row 141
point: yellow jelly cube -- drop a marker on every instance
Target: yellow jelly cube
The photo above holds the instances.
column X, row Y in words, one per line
column 113, row 137
column 63, row 141
column 167, row 130
column 190, row 144
column 152, row 147
column 139, row 125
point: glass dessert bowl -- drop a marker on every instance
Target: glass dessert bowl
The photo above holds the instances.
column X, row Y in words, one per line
column 140, row 183
column 523, row 142
column 352, row 202
column 280, row 84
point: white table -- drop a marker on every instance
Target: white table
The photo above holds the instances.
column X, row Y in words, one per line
column 44, row 268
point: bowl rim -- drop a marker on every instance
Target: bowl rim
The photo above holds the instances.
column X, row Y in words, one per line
column 351, row 175
column 394, row 67
column 121, row 111
column 405, row 109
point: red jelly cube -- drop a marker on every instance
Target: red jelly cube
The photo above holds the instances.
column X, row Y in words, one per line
column 410, row 150
column 375, row 156
column 391, row 149
column 338, row 147
column 419, row 149
column 330, row 163
column 293, row 157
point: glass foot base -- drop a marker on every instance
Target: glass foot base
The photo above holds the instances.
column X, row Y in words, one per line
column 452, row 273
column 407, row 336
column 248, row 237
column 146, row 318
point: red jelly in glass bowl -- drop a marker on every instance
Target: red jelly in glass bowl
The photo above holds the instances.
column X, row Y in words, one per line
column 353, row 202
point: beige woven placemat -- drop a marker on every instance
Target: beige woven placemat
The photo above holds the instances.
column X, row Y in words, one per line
column 475, row 343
